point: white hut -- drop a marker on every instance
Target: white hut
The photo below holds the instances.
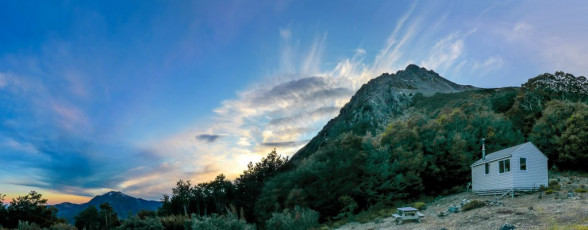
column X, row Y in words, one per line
column 518, row 168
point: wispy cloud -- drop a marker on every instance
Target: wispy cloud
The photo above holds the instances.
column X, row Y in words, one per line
column 294, row 103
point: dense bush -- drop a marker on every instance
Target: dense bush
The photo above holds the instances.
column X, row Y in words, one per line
column 25, row 225
column 62, row 226
column 175, row 222
column 135, row 223
column 554, row 185
column 297, row 219
column 229, row 222
column 473, row 204
column 420, row 205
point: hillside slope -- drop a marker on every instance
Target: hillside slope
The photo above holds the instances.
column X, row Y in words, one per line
column 398, row 140
column 380, row 100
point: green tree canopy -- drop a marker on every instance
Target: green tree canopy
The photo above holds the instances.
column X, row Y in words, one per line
column 32, row 208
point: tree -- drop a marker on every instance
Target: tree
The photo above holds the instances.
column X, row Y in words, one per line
column 3, row 211
column 547, row 131
column 183, row 193
column 32, row 208
column 222, row 193
column 560, row 134
column 573, row 148
column 108, row 217
column 88, row 219
column 249, row 184
column 143, row 214
column 92, row 218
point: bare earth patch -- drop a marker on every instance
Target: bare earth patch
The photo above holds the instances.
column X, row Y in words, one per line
column 527, row 211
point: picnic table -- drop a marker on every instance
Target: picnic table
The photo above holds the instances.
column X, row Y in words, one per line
column 407, row 213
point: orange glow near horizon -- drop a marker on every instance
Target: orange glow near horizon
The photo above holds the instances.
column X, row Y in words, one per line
column 52, row 198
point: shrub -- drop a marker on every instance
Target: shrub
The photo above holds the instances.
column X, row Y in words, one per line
column 553, row 184
column 138, row 224
column 62, row 226
column 548, row 191
column 297, row 219
column 373, row 214
column 420, row 205
column 219, row 222
column 146, row 213
column 175, row 222
column 349, row 207
column 473, row 205
column 25, row 225
column 542, row 188
column 581, row 190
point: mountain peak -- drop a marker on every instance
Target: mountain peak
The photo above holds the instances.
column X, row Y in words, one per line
column 413, row 68
column 114, row 193
column 122, row 204
column 379, row 100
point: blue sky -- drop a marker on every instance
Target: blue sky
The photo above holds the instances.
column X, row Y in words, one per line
column 134, row 95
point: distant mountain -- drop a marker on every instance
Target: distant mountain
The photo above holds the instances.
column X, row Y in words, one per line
column 124, row 205
column 379, row 100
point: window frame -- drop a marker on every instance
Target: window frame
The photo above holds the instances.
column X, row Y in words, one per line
column 504, row 166
column 487, row 168
column 522, row 162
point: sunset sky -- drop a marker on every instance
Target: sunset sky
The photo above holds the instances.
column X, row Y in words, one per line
column 133, row 95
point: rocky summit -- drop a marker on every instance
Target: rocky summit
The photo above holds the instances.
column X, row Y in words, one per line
column 380, row 99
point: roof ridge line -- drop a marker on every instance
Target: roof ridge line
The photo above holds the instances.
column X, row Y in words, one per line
column 519, row 147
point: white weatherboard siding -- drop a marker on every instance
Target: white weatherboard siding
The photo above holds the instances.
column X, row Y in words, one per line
column 536, row 173
column 491, row 181
column 519, row 180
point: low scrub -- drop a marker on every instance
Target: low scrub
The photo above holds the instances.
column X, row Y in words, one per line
column 581, row 190
column 176, row 222
column 420, row 205
column 62, row 226
column 473, row 205
column 549, row 191
column 297, row 219
column 25, row 225
column 371, row 215
column 554, row 185
column 229, row 222
column 141, row 224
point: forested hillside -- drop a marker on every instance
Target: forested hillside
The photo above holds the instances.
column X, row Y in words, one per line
column 380, row 100
column 397, row 141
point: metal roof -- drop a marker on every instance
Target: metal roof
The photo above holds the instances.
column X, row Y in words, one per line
column 499, row 154
column 407, row 209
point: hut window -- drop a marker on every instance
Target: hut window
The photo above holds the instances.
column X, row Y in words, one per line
column 523, row 164
column 504, row 166
column 487, row 165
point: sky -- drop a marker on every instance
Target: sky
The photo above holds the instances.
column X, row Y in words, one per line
column 132, row 96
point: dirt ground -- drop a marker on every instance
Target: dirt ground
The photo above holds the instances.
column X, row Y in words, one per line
column 527, row 211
